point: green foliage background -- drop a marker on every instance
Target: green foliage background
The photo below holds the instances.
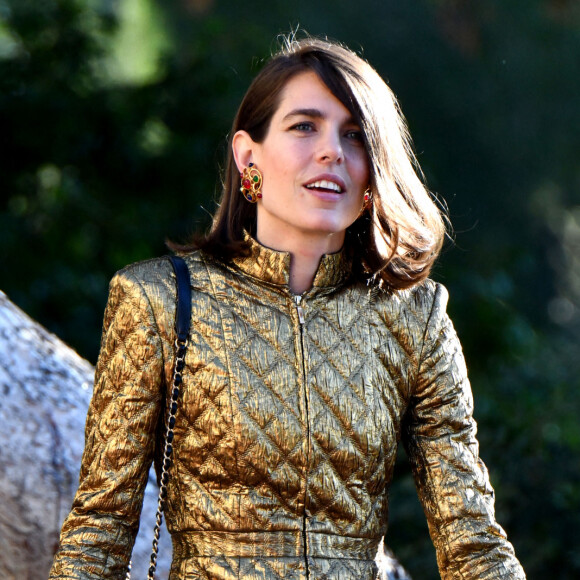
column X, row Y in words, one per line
column 113, row 122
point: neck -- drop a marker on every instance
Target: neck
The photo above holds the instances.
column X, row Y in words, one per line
column 306, row 252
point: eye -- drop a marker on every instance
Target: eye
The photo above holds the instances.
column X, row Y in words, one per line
column 303, row 126
column 355, row 135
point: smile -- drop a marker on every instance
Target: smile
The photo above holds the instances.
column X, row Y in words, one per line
column 325, row 185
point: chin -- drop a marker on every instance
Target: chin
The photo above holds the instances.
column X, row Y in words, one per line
column 324, row 228
column 330, row 227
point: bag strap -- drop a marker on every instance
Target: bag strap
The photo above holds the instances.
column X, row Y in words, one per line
column 182, row 326
column 183, row 315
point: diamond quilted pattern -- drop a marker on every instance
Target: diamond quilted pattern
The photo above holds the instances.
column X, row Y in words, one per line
column 286, row 433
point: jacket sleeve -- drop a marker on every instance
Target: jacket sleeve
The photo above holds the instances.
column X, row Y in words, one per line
column 452, row 482
column 98, row 535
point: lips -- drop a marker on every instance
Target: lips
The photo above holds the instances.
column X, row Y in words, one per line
column 326, row 183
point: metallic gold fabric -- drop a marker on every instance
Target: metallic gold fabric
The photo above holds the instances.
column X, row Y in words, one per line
column 287, row 432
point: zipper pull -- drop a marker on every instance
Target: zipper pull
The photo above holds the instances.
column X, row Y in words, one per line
column 299, row 308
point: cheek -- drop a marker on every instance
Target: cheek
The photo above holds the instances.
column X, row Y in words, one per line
column 275, row 168
column 360, row 172
column 365, row 173
column 282, row 176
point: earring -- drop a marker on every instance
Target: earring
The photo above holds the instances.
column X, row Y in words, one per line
column 368, row 199
column 251, row 180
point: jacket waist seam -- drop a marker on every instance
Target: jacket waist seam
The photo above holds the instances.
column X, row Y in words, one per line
column 203, row 543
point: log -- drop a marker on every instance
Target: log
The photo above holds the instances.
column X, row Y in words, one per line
column 46, row 388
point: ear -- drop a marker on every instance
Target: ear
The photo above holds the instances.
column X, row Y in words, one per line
column 243, row 148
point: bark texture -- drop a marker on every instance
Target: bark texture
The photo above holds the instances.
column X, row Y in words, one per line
column 45, row 389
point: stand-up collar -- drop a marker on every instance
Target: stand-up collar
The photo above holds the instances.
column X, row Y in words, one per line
column 273, row 267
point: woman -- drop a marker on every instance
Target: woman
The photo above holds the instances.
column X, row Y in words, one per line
column 317, row 343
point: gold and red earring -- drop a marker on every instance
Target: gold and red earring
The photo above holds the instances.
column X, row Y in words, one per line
column 368, row 199
column 251, row 183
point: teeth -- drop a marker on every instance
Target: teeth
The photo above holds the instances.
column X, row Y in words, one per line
column 323, row 184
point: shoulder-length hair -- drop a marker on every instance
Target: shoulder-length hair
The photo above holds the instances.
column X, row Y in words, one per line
column 397, row 239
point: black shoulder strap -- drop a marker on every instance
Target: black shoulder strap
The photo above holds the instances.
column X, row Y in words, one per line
column 182, row 324
column 183, row 313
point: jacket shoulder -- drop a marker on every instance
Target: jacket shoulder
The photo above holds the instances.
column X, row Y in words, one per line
column 422, row 301
column 147, row 290
column 429, row 297
column 156, row 273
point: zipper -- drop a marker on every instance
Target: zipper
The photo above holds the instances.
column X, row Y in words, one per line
column 301, row 319
column 300, row 310
column 305, row 539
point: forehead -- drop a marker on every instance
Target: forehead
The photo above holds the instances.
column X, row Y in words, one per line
column 307, row 91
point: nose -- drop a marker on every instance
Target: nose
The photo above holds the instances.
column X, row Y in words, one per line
column 330, row 148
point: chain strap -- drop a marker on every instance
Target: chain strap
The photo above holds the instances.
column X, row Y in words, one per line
column 182, row 323
column 180, row 348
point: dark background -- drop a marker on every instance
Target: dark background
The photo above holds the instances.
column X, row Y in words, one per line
column 113, row 123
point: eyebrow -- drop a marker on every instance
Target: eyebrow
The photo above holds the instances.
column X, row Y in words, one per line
column 313, row 113
column 316, row 113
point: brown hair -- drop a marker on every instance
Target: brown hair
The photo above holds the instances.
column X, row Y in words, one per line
column 399, row 238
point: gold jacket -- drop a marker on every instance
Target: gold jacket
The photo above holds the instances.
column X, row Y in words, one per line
column 287, row 429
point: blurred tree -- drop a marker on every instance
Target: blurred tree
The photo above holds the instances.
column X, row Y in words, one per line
column 111, row 116
column 95, row 173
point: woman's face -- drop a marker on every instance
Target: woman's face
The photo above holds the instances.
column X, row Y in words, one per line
column 314, row 166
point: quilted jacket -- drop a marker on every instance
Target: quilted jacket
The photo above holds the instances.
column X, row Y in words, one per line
column 287, row 429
